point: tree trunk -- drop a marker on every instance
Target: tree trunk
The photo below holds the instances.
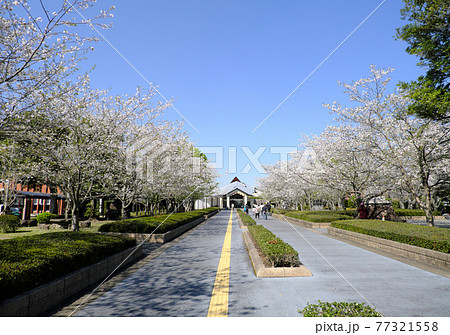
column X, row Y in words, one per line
column 66, row 212
column 358, row 203
column 342, row 204
column 124, row 213
column 75, row 217
column 428, row 207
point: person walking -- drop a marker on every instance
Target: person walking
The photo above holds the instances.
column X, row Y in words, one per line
column 264, row 211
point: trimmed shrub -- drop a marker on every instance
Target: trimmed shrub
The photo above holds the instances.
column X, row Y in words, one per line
column 422, row 236
column 350, row 203
column 147, row 225
column 339, row 309
column 45, row 217
column 395, row 203
column 412, row 212
column 277, row 252
column 247, row 220
column 27, row 262
column 9, row 223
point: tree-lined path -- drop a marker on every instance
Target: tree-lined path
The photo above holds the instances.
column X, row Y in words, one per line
column 179, row 282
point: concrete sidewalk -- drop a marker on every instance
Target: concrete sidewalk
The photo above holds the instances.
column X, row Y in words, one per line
column 343, row 272
column 180, row 280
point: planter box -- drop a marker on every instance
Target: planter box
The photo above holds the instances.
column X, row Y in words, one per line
column 166, row 237
column 241, row 224
column 303, row 223
column 265, row 272
column 44, row 298
column 421, row 255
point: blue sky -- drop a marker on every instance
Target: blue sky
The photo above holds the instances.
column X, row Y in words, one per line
column 228, row 64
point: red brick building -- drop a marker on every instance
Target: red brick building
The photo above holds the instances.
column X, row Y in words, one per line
column 35, row 199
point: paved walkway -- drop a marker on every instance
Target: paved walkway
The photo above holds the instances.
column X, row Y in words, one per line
column 179, row 282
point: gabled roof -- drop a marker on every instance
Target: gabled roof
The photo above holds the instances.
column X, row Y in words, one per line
column 236, row 186
column 235, row 179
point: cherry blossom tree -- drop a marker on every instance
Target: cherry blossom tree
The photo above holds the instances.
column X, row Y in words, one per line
column 177, row 172
column 414, row 152
column 14, row 170
column 59, row 131
column 39, row 48
column 82, row 147
column 283, row 185
column 346, row 165
column 375, row 148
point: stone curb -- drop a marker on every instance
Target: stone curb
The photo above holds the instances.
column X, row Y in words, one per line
column 264, row 272
column 166, row 237
column 434, row 258
column 46, row 297
column 303, row 223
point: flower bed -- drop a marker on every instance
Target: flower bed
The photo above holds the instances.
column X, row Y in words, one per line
column 27, row 262
column 277, row 252
column 422, row 236
column 147, row 225
column 338, row 309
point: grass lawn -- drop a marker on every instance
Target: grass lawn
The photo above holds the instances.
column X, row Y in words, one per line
column 29, row 231
column 26, row 231
column 422, row 236
column 412, row 212
column 319, row 216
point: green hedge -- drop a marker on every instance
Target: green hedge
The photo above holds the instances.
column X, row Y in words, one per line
column 9, row 223
column 422, row 236
column 321, row 216
column 147, row 225
column 45, row 217
column 277, row 252
column 246, row 219
column 339, row 309
column 412, row 212
column 27, row 262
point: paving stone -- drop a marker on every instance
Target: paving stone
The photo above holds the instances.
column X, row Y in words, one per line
column 179, row 280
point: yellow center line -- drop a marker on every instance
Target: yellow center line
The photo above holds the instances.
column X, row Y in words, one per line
column 218, row 306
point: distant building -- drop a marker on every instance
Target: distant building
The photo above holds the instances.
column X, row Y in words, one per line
column 236, row 193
